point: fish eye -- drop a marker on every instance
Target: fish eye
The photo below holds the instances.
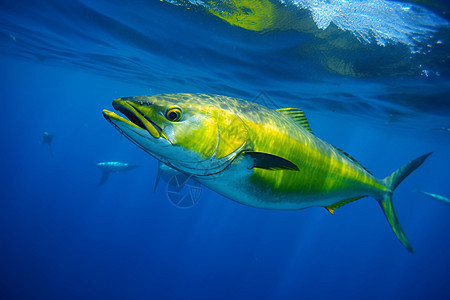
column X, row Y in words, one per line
column 173, row 114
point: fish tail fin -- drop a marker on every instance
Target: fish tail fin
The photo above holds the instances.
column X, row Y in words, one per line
column 51, row 149
column 105, row 175
column 385, row 200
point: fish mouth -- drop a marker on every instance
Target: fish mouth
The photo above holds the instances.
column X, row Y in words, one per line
column 135, row 118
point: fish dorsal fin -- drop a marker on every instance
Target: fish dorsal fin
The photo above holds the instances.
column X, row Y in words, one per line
column 333, row 207
column 297, row 115
column 352, row 159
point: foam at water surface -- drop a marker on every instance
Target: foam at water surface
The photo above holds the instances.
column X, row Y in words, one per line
column 376, row 20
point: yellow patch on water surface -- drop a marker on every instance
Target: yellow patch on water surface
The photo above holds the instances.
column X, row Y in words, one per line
column 253, row 15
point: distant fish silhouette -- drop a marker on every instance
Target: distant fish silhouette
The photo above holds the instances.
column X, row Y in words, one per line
column 435, row 197
column 167, row 174
column 47, row 138
column 113, row 166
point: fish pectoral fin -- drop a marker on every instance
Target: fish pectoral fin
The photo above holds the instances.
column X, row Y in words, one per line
column 270, row 161
column 158, row 176
column 333, row 207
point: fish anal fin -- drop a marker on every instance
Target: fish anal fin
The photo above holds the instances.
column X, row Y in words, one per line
column 298, row 116
column 333, row 207
column 270, row 161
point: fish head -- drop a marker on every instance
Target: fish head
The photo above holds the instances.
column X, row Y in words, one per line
column 192, row 133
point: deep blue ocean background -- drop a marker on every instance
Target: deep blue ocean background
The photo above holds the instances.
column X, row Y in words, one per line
column 62, row 237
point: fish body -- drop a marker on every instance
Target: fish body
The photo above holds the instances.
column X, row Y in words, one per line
column 251, row 154
column 47, row 138
column 113, row 166
column 437, row 197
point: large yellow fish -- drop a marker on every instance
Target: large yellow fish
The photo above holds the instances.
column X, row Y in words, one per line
column 252, row 154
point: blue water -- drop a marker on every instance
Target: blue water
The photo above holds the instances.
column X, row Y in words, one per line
column 62, row 237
